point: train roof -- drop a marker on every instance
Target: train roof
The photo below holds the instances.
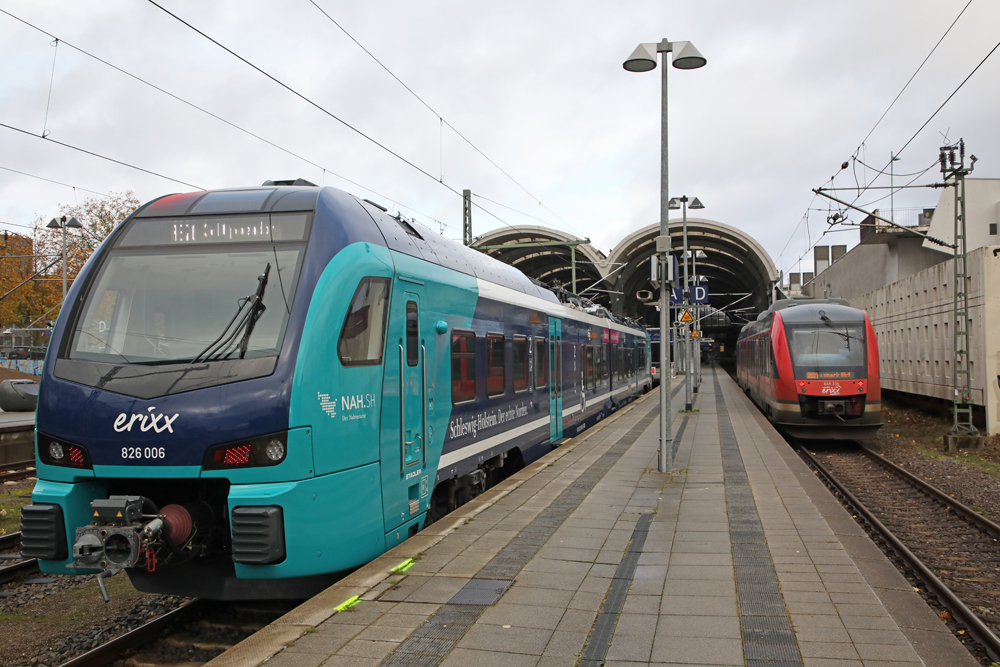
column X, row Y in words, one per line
column 398, row 233
column 808, row 310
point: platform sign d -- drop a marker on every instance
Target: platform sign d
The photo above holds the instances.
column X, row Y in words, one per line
column 699, row 294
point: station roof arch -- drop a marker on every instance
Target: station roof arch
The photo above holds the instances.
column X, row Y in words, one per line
column 549, row 263
column 740, row 272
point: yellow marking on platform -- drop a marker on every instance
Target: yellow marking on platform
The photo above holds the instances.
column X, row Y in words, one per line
column 402, row 567
column 348, row 604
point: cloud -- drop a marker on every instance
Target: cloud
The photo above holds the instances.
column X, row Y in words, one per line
column 790, row 91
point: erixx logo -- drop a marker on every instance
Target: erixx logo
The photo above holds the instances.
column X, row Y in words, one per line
column 147, row 422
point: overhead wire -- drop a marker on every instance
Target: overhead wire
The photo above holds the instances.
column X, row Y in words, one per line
column 883, row 171
column 214, row 115
column 440, row 117
column 910, row 80
column 317, row 106
column 41, row 178
column 98, row 155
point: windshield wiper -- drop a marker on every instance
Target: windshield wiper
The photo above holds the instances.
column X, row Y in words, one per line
column 248, row 319
column 257, row 309
column 845, row 334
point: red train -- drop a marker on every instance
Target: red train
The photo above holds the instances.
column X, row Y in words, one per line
column 811, row 365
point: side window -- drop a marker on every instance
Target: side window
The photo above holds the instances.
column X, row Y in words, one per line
column 412, row 334
column 541, row 364
column 363, row 332
column 519, row 357
column 496, row 356
column 463, row 366
column 589, row 366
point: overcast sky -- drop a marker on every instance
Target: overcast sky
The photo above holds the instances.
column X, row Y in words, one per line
column 790, row 91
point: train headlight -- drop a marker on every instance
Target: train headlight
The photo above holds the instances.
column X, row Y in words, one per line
column 268, row 450
column 56, row 451
column 275, row 450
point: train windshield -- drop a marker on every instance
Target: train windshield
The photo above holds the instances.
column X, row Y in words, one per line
column 186, row 290
column 828, row 351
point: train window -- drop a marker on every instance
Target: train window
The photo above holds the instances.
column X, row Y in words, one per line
column 362, row 334
column 496, row 357
column 463, row 366
column 541, row 364
column 589, row 367
column 519, row 363
column 412, row 334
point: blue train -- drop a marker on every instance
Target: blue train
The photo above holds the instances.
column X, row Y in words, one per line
column 253, row 390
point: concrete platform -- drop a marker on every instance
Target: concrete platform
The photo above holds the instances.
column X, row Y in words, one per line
column 590, row 557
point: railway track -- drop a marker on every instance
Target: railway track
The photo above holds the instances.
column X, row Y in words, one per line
column 190, row 635
column 17, row 567
column 15, row 471
column 950, row 548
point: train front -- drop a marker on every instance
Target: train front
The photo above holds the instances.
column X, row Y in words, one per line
column 163, row 440
column 827, row 355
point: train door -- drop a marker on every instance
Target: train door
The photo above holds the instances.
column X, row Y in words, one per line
column 405, row 491
column 555, row 379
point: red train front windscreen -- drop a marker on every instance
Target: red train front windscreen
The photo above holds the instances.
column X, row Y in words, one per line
column 828, row 350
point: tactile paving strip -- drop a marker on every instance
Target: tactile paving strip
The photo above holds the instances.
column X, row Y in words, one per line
column 482, row 592
column 768, row 639
column 596, row 648
column 427, row 646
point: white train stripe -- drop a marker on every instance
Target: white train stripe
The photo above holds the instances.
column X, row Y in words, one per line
column 451, row 458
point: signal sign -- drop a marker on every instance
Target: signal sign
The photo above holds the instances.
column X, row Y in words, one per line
column 695, row 334
column 686, row 317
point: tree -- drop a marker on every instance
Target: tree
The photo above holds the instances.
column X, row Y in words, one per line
column 41, row 297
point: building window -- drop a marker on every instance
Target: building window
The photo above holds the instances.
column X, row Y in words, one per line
column 541, row 364
column 463, row 366
column 496, row 355
column 519, row 366
column 993, row 229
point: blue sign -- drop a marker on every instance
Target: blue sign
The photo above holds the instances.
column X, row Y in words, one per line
column 699, row 294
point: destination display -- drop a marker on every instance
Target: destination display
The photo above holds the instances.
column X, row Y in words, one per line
column 259, row 227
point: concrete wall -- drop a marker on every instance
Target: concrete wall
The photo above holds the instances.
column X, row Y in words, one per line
column 872, row 265
column 914, row 321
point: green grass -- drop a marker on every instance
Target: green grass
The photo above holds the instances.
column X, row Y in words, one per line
column 11, row 503
column 967, row 458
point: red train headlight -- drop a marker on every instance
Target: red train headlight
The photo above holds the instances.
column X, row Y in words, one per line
column 861, row 385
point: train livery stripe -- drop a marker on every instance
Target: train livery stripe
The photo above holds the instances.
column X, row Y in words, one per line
column 451, row 458
column 454, row 457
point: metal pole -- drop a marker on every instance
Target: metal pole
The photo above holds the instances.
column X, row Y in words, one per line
column 666, row 458
column 467, row 217
column 688, row 370
column 572, row 263
column 696, row 342
column 64, row 257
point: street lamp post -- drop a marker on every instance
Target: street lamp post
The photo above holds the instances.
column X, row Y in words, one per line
column 64, row 223
column 643, row 59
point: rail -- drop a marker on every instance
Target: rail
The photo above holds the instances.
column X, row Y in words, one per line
column 959, row 611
